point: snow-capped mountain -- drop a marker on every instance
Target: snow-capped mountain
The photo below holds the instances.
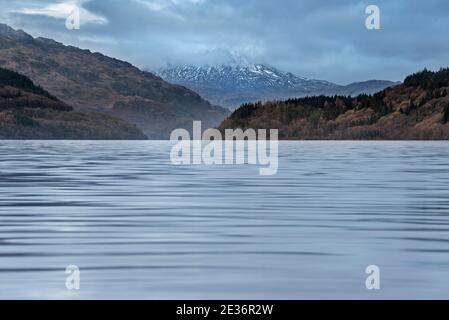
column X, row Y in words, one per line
column 232, row 84
column 240, row 77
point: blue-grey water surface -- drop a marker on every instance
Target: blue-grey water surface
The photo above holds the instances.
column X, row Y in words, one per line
column 139, row 227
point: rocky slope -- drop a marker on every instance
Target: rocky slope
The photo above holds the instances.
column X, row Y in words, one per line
column 94, row 82
column 417, row 109
column 29, row 112
column 232, row 84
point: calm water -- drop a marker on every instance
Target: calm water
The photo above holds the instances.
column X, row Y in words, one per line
column 139, row 227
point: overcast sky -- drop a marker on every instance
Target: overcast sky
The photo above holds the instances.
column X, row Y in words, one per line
column 323, row 39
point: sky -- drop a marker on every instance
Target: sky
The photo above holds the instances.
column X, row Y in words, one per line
column 320, row 39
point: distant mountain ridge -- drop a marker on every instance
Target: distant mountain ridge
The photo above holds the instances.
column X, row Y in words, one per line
column 354, row 89
column 233, row 84
column 94, row 82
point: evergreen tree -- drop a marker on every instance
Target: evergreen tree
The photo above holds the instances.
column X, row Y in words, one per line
column 446, row 114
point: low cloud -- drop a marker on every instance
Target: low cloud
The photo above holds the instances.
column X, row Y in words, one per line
column 313, row 38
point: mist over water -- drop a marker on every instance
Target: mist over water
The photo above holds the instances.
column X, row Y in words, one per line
column 139, row 227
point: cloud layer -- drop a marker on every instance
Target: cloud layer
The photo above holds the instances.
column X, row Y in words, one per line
column 312, row 38
column 62, row 10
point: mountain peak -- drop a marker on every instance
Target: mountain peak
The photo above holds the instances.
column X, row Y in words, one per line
column 6, row 30
column 236, row 76
column 240, row 82
column 233, row 84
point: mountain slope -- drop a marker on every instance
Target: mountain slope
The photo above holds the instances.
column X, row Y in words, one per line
column 237, row 77
column 94, row 82
column 233, row 84
column 29, row 112
column 357, row 88
column 417, row 109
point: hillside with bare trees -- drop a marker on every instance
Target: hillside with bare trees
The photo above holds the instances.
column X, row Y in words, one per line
column 417, row 109
column 29, row 112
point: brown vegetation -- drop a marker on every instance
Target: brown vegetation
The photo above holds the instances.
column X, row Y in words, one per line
column 29, row 112
column 94, row 82
column 417, row 109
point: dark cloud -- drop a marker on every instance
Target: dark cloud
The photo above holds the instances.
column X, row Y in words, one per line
column 313, row 38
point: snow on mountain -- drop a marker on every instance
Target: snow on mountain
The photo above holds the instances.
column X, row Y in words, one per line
column 235, row 83
column 239, row 77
